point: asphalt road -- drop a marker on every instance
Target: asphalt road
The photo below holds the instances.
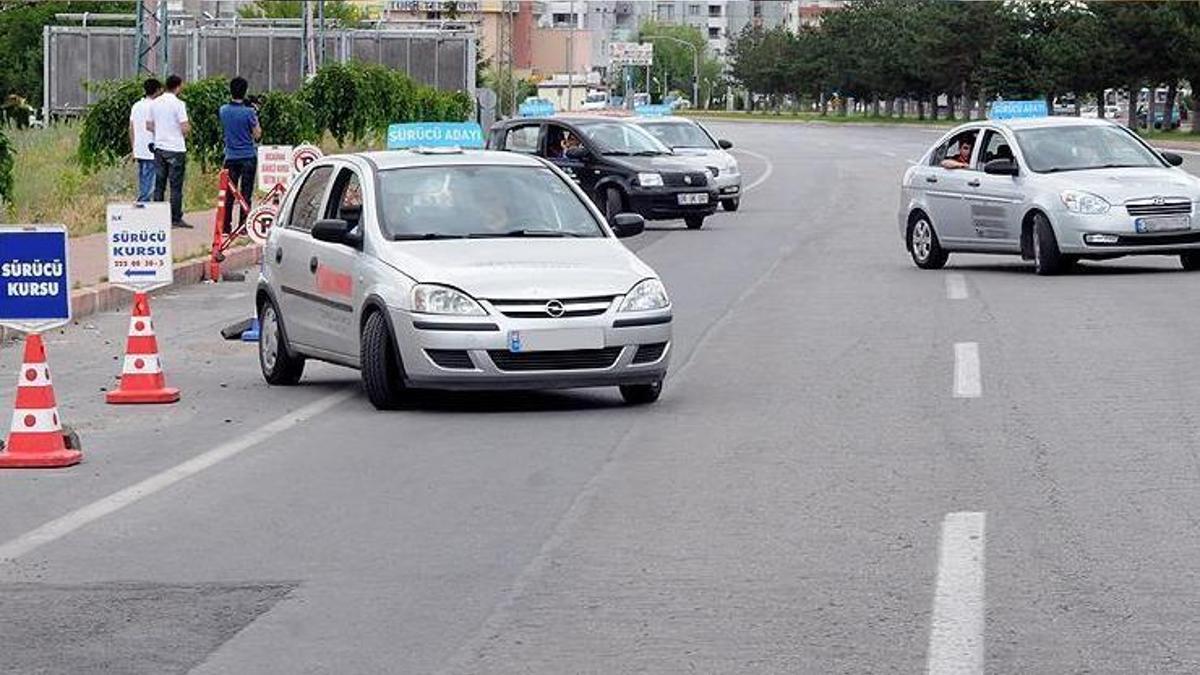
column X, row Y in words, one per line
column 856, row 467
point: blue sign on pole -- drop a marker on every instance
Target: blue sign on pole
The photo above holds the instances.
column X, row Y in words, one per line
column 435, row 135
column 654, row 110
column 35, row 287
column 1011, row 110
column 536, row 108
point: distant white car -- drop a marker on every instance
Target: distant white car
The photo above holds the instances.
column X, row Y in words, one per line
column 691, row 141
column 596, row 100
column 1053, row 190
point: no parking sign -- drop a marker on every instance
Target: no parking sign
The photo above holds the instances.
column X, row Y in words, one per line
column 35, row 284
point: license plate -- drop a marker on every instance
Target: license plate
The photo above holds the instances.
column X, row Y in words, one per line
column 1163, row 224
column 555, row 339
column 693, row 198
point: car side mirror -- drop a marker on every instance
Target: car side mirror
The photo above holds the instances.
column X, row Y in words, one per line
column 1001, row 167
column 334, row 231
column 1172, row 158
column 725, row 145
column 577, row 152
column 628, row 225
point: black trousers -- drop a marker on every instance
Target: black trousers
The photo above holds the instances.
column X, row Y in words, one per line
column 169, row 168
column 241, row 175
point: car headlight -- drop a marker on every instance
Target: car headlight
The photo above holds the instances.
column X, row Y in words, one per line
column 1078, row 201
column 650, row 179
column 433, row 299
column 646, row 295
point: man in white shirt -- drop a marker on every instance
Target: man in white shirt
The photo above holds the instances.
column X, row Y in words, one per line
column 169, row 122
column 142, row 139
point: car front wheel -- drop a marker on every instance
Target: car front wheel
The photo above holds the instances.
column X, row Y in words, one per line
column 1048, row 260
column 694, row 222
column 927, row 253
column 381, row 374
column 613, row 204
column 1190, row 261
column 731, row 204
column 279, row 366
column 641, row 394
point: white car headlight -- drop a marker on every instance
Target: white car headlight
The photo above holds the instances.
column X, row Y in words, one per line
column 433, row 299
column 1078, row 201
column 650, row 179
column 646, row 295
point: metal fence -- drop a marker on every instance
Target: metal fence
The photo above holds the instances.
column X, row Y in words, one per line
column 269, row 57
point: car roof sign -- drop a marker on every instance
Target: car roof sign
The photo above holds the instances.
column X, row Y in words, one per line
column 1011, row 110
column 423, row 135
column 536, row 108
column 659, row 110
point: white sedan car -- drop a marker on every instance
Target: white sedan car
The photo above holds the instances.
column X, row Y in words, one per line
column 458, row 269
column 693, row 143
column 1052, row 190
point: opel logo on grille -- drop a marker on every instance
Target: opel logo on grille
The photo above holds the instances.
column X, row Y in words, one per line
column 1159, row 201
column 555, row 309
column 687, row 179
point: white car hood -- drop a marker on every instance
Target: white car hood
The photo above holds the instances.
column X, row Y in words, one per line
column 707, row 157
column 1120, row 185
column 521, row 268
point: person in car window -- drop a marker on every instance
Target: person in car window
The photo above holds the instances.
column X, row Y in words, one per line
column 962, row 160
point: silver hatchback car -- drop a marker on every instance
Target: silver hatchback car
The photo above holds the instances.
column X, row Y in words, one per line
column 458, row 269
column 1053, row 190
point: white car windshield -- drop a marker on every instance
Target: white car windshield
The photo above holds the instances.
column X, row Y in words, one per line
column 680, row 135
column 452, row 202
column 1076, row 148
column 622, row 138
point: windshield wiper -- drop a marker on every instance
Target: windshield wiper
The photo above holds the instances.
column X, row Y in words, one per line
column 522, row 233
column 650, row 153
column 418, row 236
column 619, row 153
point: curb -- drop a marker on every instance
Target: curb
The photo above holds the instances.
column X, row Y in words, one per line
column 104, row 297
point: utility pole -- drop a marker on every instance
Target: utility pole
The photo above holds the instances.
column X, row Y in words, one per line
column 151, row 53
column 571, row 61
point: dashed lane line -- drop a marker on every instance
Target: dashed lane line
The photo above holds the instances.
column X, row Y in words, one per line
column 62, row 526
column 968, row 382
column 956, row 629
column 956, row 286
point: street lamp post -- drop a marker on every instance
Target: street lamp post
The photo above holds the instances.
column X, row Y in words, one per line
column 695, row 63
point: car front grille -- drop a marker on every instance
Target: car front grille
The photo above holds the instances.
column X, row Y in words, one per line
column 649, row 353
column 697, row 179
column 574, row 359
column 1163, row 239
column 456, row 359
column 1158, row 207
column 541, row 309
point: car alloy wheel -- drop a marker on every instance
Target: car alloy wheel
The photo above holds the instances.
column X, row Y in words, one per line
column 922, row 240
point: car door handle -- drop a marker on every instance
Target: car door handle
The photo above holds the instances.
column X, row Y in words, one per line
column 278, row 255
column 312, row 264
column 974, row 182
column 930, row 179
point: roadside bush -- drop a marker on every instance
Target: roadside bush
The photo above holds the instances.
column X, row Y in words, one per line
column 286, row 119
column 6, row 168
column 334, row 94
column 103, row 139
column 204, row 99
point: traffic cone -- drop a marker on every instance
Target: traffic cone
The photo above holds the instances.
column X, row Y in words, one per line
column 142, row 379
column 35, row 439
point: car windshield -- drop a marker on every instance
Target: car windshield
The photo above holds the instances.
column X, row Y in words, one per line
column 1075, row 148
column 450, row 202
column 680, row 135
column 622, row 138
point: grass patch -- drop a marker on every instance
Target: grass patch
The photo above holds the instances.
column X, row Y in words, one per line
column 812, row 117
column 50, row 187
column 1176, row 136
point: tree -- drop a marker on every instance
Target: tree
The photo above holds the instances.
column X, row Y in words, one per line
column 677, row 60
column 344, row 12
column 21, row 23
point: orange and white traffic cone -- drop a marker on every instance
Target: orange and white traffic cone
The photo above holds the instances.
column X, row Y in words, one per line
column 35, row 439
column 142, row 379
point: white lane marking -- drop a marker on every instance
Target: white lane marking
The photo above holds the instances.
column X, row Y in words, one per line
column 762, row 178
column 889, row 153
column 61, row 527
column 956, row 286
column 956, row 629
column 967, row 380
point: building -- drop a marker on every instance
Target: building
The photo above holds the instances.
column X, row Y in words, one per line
column 491, row 19
column 801, row 13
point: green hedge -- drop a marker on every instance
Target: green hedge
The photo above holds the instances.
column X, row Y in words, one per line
column 6, row 168
column 352, row 101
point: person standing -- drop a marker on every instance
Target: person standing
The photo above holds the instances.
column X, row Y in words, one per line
column 142, row 139
column 169, row 122
column 239, row 121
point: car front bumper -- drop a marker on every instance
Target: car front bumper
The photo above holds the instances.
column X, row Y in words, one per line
column 443, row 352
column 729, row 185
column 1115, row 234
column 663, row 203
